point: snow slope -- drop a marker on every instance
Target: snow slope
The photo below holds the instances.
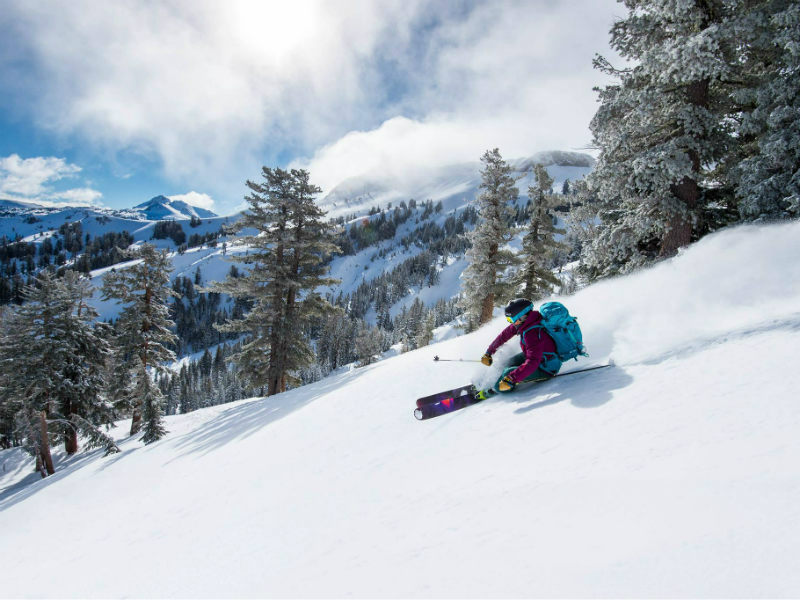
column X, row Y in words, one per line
column 675, row 473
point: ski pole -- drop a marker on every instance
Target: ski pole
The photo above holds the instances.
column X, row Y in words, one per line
column 437, row 359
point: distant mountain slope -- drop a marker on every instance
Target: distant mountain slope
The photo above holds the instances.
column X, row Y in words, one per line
column 674, row 474
column 452, row 185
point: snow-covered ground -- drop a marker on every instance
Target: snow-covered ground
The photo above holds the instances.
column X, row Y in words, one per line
column 676, row 473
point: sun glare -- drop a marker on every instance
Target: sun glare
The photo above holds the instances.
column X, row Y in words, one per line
column 273, row 30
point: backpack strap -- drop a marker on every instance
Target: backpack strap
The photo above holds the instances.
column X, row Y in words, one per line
column 522, row 334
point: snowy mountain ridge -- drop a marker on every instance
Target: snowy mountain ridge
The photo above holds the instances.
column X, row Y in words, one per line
column 674, row 473
column 452, row 185
column 155, row 209
column 161, row 207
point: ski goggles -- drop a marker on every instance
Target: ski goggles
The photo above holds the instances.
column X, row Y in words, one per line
column 519, row 315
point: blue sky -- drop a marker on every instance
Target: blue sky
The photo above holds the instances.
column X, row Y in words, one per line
column 112, row 103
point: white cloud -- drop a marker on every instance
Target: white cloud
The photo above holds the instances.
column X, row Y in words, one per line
column 27, row 176
column 201, row 85
column 31, row 179
column 195, row 199
column 512, row 75
column 214, row 90
column 78, row 197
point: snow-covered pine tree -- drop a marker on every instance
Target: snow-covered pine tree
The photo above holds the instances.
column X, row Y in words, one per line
column 369, row 343
column 425, row 330
column 25, row 399
column 119, row 387
column 482, row 284
column 287, row 264
column 143, row 334
column 53, row 355
column 659, row 130
column 535, row 279
column 82, row 404
column 332, row 342
column 767, row 167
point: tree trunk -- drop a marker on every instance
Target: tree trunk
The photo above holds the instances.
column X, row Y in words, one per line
column 136, row 419
column 680, row 231
column 70, row 440
column 70, row 433
column 487, row 308
column 44, row 446
column 687, row 191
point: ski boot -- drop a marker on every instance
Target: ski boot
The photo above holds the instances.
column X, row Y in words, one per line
column 484, row 394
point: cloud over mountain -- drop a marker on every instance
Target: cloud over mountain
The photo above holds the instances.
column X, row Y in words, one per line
column 212, row 91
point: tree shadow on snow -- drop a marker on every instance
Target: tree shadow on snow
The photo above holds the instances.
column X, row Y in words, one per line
column 33, row 483
column 243, row 420
column 237, row 422
column 585, row 390
column 700, row 344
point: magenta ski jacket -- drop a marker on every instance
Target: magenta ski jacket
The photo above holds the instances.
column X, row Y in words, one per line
column 535, row 343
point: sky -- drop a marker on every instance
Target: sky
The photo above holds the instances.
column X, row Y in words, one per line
column 112, row 103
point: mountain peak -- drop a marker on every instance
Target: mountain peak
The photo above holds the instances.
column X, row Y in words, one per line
column 161, row 207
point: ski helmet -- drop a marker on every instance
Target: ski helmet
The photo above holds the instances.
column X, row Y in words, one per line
column 518, row 308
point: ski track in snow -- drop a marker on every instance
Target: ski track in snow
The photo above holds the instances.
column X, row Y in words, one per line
column 673, row 474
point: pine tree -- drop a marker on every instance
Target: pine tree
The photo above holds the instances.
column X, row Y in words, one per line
column 287, row 264
column 52, row 357
column 535, row 279
column 425, row 330
column 766, row 159
column 483, row 283
column 660, row 130
column 310, row 243
column 143, row 334
column 369, row 343
column 81, row 402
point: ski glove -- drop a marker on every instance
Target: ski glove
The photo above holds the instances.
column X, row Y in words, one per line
column 506, row 384
column 487, row 359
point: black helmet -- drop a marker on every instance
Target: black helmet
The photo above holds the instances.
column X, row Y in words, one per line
column 518, row 308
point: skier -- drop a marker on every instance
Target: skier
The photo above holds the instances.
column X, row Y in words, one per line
column 538, row 359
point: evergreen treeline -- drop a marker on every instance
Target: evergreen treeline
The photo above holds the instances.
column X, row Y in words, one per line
column 208, row 381
column 196, row 314
column 68, row 243
column 381, row 225
column 104, row 251
column 169, row 229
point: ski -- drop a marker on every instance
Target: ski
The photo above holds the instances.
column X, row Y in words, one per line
column 454, row 393
column 448, row 401
column 446, row 405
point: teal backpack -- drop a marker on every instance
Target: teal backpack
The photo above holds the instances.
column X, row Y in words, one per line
column 563, row 328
